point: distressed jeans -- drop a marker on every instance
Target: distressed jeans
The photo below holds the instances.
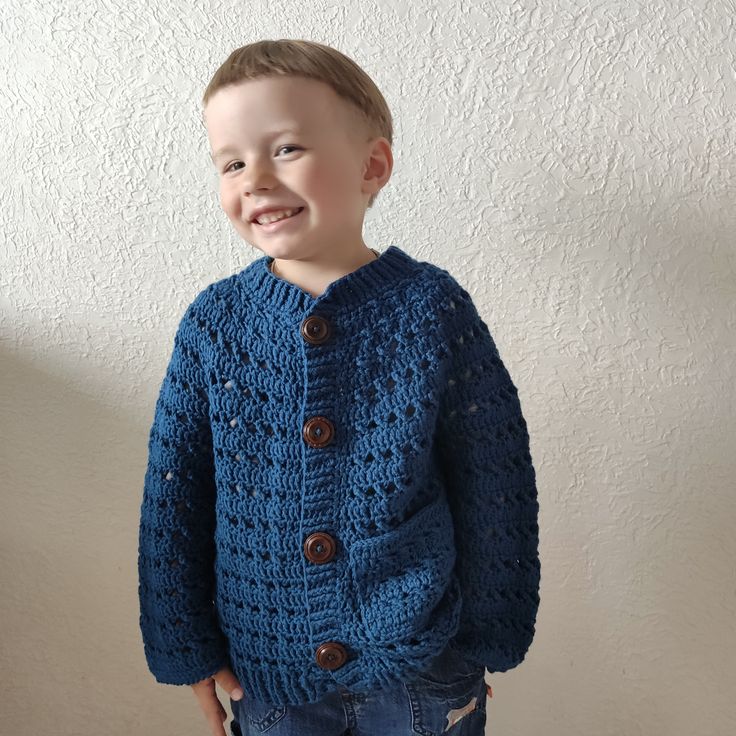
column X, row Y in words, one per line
column 447, row 698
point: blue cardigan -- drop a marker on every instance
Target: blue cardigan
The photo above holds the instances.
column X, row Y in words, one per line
column 336, row 487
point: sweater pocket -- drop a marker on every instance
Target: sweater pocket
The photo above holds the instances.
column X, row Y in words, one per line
column 401, row 576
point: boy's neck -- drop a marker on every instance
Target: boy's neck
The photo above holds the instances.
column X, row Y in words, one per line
column 315, row 278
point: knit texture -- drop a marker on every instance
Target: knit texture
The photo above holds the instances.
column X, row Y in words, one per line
column 427, row 487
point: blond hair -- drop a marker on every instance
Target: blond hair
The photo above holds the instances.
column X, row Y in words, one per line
column 301, row 58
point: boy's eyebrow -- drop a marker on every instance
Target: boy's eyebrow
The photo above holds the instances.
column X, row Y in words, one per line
column 227, row 149
column 221, row 151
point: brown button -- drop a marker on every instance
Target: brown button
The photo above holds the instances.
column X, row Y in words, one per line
column 319, row 547
column 315, row 329
column 318, row 431
column 331, row 655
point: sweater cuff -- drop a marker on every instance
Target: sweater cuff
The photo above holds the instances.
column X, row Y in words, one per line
column 189, row 671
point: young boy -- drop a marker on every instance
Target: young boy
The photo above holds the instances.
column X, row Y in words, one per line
column 339, row 516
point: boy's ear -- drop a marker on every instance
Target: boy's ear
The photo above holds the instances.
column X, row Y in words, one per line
column 386, row 157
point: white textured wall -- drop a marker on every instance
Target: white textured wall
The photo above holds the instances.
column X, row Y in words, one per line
column 572, row 164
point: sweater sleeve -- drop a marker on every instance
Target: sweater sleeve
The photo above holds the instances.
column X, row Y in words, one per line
column 183, row 642
column 484, row 451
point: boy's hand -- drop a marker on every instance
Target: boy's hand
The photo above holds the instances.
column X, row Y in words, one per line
column 206, row 694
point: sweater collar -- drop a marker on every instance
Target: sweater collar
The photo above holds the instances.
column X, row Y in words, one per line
column 357, row 287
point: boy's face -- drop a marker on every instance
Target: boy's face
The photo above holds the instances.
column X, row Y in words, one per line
column 325, row 165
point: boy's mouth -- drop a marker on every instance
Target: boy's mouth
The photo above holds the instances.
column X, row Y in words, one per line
column 294, row 213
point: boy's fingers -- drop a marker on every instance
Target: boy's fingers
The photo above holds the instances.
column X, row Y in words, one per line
column 214, row 713
column 216, row 720
column 229, row 683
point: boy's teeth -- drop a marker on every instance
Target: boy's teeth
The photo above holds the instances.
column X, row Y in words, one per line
column 273, row 216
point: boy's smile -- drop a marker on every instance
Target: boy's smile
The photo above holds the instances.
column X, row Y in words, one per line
column 285, row 143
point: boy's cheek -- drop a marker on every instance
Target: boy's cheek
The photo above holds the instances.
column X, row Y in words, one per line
column 233, row 207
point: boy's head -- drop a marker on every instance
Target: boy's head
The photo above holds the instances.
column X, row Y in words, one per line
column 332, row 161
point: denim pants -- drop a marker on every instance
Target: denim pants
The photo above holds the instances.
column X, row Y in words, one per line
column 448, row 698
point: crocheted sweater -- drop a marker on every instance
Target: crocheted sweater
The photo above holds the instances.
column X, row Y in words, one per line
column 336, row 487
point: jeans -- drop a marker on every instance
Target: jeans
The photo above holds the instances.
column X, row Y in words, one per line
column 448, row 698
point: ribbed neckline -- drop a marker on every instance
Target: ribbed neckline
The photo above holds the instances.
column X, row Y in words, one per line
column 356, row 287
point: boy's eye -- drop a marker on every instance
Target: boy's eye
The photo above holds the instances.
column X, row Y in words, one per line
column 296, row 148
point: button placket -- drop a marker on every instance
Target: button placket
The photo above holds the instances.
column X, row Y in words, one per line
column 320, row 547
